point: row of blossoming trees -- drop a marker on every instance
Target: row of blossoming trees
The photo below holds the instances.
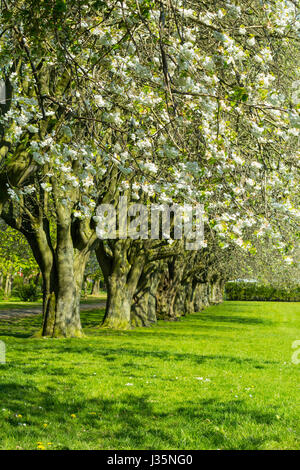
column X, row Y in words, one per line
column 159, row 101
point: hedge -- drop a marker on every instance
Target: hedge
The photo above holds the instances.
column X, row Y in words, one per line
column 256, row 291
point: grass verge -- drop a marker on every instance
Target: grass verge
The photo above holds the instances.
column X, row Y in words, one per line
column 220, row 379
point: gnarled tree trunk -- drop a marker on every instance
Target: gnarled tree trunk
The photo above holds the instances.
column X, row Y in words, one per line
column 121, row 264
column 62, row 269
column 143, row 310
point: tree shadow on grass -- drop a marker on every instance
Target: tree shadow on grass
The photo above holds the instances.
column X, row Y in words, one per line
column 132, row 421
column 235, row 319
column 20, row 327
column 229, row 414
column 15, row 334
column 92, row 318
column 171, row 356
column 187, row 328
column 25, row 327
column 127, row 411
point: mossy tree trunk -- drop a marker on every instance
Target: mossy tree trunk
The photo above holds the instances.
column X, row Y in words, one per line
column 199, row 297
column 62, row 264
column 215, row 291
column 143, row 310
column 175, row 293
column 122, row 263
column 189, row 306
column 63, row 271
column 219, row 291
column 168, row 289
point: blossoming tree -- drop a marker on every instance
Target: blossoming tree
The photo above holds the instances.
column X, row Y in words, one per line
column 169, row 100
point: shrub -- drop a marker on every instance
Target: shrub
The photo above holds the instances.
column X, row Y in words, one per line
column 28, row 292
column 254, row 291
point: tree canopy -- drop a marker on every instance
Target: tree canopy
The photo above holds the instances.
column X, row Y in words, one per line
column 164, row 102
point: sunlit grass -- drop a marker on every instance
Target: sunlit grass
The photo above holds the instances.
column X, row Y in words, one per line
column 220, row 379
column 90, row 299
column 16, row 303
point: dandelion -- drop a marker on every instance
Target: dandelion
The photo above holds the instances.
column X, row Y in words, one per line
column 73, row 416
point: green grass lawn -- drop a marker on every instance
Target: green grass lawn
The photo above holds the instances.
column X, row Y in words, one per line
column 220, row 379
column 16, row 303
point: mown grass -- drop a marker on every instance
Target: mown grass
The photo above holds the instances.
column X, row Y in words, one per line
column 220, row 379
column 16, row 303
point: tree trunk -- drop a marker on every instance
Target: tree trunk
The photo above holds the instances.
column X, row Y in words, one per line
column 62, row 272
column 189, row 298
column 143, row 311
column 179, row 304
column 119, row 300
column 199, row 297
column 62, row 266
column 50, row 287
column 219, row 291
column 169, row 287
column 165, row 298
column 61, row 297
column 96, row 287
column 7, row 286
column 121, row 269
column 70, row 265
column 214, row 289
